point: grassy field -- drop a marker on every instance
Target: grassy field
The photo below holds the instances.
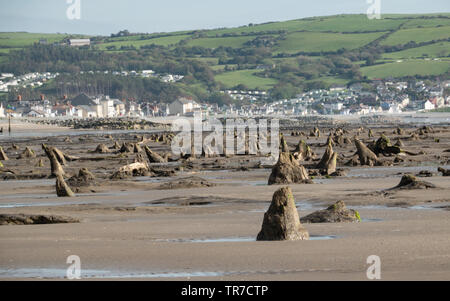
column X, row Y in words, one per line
column 235, row 42
column 22, row 39
column 426, row 23
column 352, row 23
column 417, row 35
column 7, row 50
column 289, row 26
column 322, row 33
column 339, row 23
column 245, row 77
column 249, row 79
column 211, row 42
column 441, row 49
column 317, row 41
column 403, row 16
column 212, row 61
column 163, row 41
column 405, row 68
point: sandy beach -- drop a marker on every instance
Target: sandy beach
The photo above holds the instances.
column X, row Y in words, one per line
column 23, row 126
column 134, row 229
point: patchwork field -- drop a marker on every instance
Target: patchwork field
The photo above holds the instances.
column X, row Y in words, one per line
column 441, row 49
column 405, row 68
column 235, row 42
column 352, row 23
column 23, row 39
column 246, row 77
column 418, row 35
column 162, row 41
column 316, row 42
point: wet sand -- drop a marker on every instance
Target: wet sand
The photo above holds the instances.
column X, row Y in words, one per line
column 21, row 126
column 131, row 229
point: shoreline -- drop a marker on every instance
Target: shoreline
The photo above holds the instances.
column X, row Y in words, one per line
column 23, row 126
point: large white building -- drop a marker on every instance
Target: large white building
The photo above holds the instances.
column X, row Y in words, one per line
column 79, row 42
column 107, row 106
column 428, row 105
column 87, row 106
column 87, row 111
column 102, row 106
column 183, row 106
column 2, row 111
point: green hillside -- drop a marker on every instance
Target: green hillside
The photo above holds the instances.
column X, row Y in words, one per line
column 235, row 42
column 296, row 54
column 417, row 35
column 405, row 68
column 435, row 50
column 23, row 39
column 246, row 77
column 321, row 41
column 162, row 41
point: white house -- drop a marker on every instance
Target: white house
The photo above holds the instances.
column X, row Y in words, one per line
column 395, row 108
column 183, row 106
column 119, row 107
column 34, row 113
column 108, row 108
column 405, row 102
column 88, row 111
column 338, row 88
column 334, row 106
column 148, row 72
column 88, row 106
column 428, row 105
column 62, row 110
column 6, row 75
column 76, row 112
column 79, row 42
column 133, row 109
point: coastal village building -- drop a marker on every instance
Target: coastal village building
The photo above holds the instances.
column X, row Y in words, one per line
column 428, row 105
column 33, row 113
column 133, row 109
column 119, row 107
column 88, row 107
column 79, row 42
column 107, row 106
column 183, row 106
column 102, row 106
column 87, row 112
column 382, row 98
column 64, row 110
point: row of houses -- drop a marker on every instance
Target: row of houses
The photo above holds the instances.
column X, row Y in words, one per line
column 81, row 106
column 167, row 78
column 84, row 106
column 388, row 97
column 32, row 80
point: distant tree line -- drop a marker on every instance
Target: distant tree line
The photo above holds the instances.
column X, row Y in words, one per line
column 63, row 59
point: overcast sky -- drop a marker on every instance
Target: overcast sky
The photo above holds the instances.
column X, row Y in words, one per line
column 109, row 16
